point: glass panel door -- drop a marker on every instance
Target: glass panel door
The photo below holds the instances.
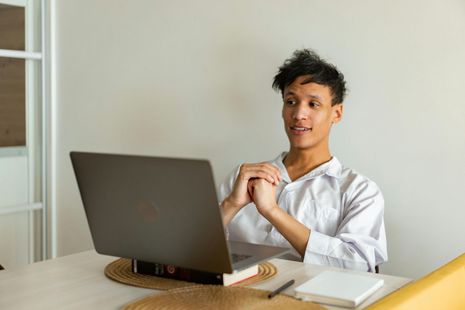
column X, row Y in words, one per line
column 20, row 106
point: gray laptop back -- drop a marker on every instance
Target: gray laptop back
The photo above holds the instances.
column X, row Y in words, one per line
column 153, row 209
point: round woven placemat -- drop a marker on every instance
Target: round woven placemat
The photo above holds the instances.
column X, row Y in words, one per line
column 120, row 270
column 218, row 297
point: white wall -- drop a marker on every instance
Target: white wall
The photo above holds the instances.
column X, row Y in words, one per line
column 192, row 79
column 14, row 227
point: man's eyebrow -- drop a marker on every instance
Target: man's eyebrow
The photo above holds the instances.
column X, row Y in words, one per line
column 314, row 96
column 291, row 93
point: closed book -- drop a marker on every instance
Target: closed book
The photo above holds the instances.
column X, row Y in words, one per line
column 339, row 288
column 191, row 275
column 239, row 276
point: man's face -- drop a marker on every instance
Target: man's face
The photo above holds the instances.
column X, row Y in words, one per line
column 308, row 114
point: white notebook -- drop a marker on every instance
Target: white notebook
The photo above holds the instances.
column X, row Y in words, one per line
column 338, row 288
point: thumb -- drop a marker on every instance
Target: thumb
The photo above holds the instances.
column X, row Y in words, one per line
column 250, row 189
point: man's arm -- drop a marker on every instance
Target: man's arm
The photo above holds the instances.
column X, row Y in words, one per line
column 359, row 243
column 360, row 240
column 296, row 233
column 229, row 210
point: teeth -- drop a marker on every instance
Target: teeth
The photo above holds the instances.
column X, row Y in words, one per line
column 300, row 128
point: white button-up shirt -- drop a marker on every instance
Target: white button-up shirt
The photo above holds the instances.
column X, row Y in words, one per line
column 343, row 210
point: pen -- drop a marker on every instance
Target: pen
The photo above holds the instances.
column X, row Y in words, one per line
column 281, row 288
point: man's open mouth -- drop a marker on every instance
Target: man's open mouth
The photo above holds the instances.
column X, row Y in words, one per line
column 300, row 128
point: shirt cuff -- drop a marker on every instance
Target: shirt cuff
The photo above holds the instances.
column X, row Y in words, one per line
column 317, row 243
column 321, row 251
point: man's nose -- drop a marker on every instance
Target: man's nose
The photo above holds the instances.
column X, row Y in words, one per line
column 301, row 112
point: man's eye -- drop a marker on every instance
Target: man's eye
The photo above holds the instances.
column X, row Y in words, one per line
column 314, row 104
column 290, row 102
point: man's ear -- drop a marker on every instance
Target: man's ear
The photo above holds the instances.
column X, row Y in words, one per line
column 338, row 110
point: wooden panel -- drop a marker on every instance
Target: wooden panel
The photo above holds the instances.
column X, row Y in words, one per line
column 12, row 102
column 12, row 33
column 12, row 78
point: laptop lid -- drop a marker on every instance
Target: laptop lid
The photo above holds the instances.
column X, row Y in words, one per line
column 156, row 209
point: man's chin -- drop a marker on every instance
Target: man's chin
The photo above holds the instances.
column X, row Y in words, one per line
column 301, row 146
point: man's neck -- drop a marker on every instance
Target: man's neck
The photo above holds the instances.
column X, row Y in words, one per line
column 300, row 162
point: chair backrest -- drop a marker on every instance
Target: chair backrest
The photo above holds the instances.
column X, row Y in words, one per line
column 444, row 288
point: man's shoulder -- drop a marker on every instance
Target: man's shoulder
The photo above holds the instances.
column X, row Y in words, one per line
column 352, row 180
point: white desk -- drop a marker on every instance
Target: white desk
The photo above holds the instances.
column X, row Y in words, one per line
column 78, row 282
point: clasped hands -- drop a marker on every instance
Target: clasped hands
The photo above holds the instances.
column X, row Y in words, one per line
column 256, row 183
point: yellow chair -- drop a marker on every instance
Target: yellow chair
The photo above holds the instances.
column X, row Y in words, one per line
column 444, row 288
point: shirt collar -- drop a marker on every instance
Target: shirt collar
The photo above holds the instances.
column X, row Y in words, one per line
column 332, row 168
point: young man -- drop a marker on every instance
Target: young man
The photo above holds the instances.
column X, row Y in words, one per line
column 305, row 199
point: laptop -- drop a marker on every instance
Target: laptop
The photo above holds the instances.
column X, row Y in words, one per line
column 161, row 210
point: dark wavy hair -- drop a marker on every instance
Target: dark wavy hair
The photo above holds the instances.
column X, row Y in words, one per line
column 307, row 62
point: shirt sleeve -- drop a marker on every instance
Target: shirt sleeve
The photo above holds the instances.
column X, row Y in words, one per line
column 360, row 240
